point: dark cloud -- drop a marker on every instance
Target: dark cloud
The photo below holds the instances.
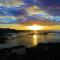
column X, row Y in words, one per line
column 4, row 11
column 52, row 7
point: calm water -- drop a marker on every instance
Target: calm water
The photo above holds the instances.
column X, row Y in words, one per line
column 30, row 40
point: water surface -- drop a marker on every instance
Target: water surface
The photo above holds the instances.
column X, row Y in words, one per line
column 30, row 40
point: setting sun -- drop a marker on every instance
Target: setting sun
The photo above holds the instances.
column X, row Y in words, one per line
column 35, row 27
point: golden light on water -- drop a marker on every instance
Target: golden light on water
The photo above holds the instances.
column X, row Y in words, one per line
column 35, row 27
column 34, row 39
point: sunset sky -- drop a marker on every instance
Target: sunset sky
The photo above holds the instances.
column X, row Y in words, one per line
column 15, row 12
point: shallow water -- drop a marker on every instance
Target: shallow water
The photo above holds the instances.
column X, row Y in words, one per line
column 30, row 40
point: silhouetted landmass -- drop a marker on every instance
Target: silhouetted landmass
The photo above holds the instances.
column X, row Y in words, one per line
column 43, row 51
column 8, row 30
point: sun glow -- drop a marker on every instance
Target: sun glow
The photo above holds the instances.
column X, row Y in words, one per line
column 35, row 27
